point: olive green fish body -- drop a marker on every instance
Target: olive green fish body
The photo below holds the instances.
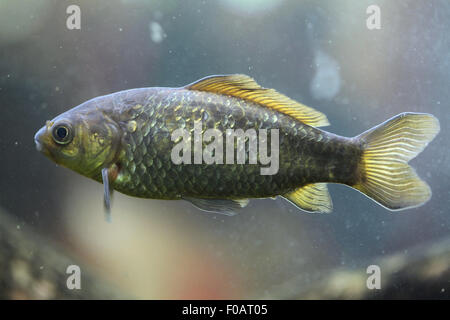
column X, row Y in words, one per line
column 306, row 154
column 128, row 139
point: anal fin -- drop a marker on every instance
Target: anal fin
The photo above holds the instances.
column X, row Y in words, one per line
column 311, row 198
column 227, row 207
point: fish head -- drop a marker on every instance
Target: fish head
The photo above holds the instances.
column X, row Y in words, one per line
column 83, row 139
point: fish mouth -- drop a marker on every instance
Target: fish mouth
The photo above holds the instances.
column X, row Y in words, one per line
column 38, row 145
column 39, row 140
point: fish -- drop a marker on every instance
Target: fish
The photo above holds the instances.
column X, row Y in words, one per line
column 126, row 140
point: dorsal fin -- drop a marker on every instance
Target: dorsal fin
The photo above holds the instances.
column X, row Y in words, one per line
column 244, row 87
column 311, row 198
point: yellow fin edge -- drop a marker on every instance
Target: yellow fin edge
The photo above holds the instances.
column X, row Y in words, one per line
column 311, row 198
column 245, row 87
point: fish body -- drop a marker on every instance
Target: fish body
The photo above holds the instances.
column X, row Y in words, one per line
column 306, row 154
column 128, row 139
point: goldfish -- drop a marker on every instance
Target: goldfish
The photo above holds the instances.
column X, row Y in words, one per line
column 139, row 142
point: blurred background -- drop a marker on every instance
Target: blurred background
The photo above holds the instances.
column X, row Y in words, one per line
column 318, row 52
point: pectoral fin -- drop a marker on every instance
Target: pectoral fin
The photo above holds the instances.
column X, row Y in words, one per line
column 311, row 198
column 227, row 207
column 107, row 194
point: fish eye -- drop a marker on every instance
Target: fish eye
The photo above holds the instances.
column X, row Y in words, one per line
column 62, row 134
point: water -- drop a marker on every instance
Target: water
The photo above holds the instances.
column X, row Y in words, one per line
column 317, row 52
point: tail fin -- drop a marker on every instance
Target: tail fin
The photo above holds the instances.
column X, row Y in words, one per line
column 385, row 175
